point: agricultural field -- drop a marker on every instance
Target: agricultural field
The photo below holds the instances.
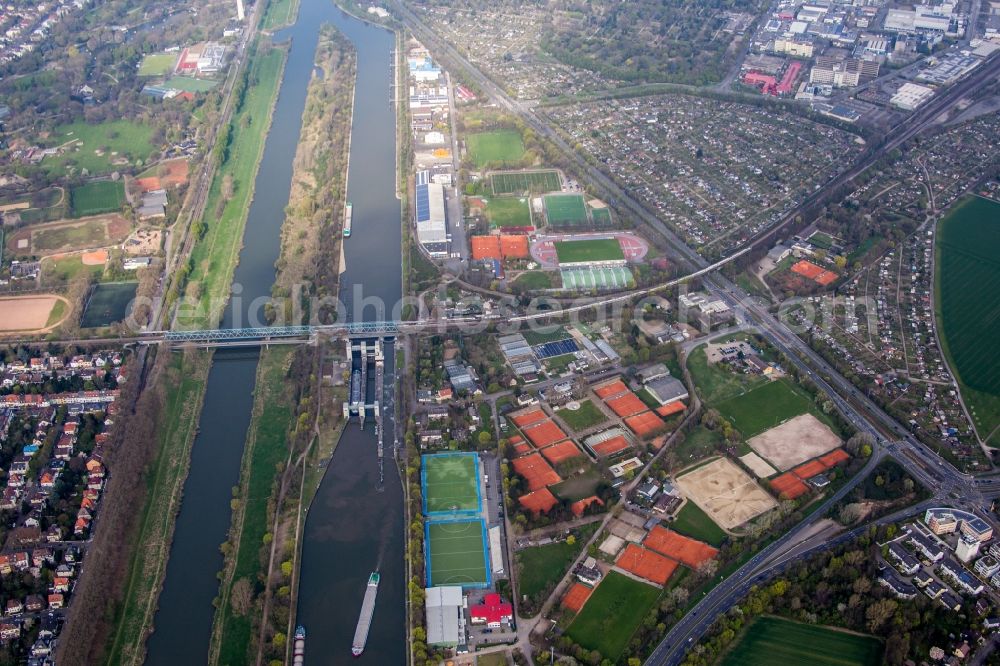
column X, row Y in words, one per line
column 612, row 614
column 98, row 147
column 95, row 197
column 594, row 250
column 587, row 415
column 967, row 280
column 495, row 147
column 157, row 64
column 508, row 212
column 772, row 640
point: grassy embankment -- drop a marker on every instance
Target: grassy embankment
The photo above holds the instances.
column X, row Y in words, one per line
column 267, row 448
column 279, row 469
column 279, row 13
column 209, row 271
column 184, row 387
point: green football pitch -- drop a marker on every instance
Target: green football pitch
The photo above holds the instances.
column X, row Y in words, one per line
column 595, row 249
column 565, row 209
column 450, row 483
column 517, row 182
column 456, row 553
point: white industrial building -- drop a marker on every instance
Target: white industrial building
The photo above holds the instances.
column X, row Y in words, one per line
column 445, row 617
column 911, row 96
column 431, row 220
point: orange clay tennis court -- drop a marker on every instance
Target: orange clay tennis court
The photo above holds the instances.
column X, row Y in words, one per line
column 536, row 471
column 627, row 405
column 577, row 597
column 561, row 452
column 788, row 485
column 580, row 506
column 834, row 458
column 689, row 552
column 813, row 272
column 527, row 418
column 522, row 448
column 646, row 564
column 610, row 389
column 610, row 447
column 544, row 433
column 809, row 469
column 671, row 408
column 539, row 501
column 644, row 424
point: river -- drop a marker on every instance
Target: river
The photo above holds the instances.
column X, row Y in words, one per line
column 351, row 528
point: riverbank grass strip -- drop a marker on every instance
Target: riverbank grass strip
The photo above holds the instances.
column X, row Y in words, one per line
column 266, row 449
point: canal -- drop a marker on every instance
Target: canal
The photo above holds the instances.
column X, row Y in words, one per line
column 352, row 527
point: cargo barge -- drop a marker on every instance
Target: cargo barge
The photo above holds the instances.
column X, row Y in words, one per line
column 348, row 215
column 299, row 646
column 365, row 619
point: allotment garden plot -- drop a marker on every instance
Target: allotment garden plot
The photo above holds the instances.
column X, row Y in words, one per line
column 726, row 493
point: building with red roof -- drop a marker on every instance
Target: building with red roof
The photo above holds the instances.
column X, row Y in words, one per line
column 492, row 612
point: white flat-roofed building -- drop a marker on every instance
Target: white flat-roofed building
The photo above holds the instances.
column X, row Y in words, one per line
column 911, row 96
column 445, row 619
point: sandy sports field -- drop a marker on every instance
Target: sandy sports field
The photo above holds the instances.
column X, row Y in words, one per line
column 796, row 440
column 758, row 465
column 726, row 493
column 30, row 313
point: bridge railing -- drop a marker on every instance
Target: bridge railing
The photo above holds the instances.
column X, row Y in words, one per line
column 277, row 332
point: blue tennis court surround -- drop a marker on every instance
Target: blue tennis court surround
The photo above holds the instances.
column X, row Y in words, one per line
column 450, row 484
column 557, row 348
column 456, row 552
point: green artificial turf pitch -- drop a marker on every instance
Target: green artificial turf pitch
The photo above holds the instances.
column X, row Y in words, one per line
column 517, row 182
column 456, row 554
column 565, row 209
column 102, row 196
column 450, row 483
